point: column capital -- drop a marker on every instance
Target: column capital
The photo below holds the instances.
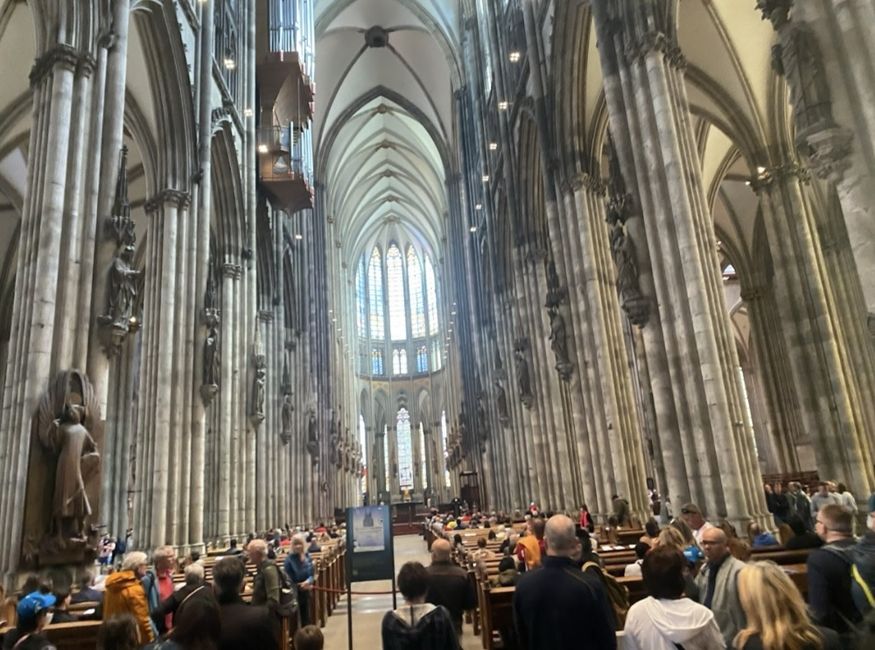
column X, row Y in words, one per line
column 787, row 170
column 175, row 197
column 61, row 54
column 232, row 271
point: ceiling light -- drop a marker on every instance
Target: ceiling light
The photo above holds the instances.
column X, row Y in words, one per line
column 514, row 56
column 485, row 178
column 478, row 207
column 262, row 148
column 247, row 112
column 230, row 64
column 473, row 228
column 452, row 313
column 761, row 169
column 493, row 146
column 299, row 236
column 333, row 320
column 502, row 106
column 747, row 183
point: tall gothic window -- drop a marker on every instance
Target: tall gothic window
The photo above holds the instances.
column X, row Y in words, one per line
column 405, row 454
column 431, row 297
column 361, row 282
column 363, row 443
column 422, row 460
column 414, row 282
column 399, row 361
column 377, row 362
column 388, row 470
column 395, row 278
column 446, row 450
column 421, row 359
column 375, row 290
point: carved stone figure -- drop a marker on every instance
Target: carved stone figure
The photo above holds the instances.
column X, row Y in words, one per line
column 287, row 410
column 122, row 289
column 258, row 387
column 66, row 420
column 524, row 384
column 211, row 357
column 501, row 403
column 559, row 343
column 312, row 440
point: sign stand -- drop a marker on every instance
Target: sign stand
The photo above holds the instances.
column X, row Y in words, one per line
column 370, row 552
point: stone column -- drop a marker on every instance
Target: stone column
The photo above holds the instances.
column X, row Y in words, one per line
column 825, row 54
column 839, row 430
column 649, row 117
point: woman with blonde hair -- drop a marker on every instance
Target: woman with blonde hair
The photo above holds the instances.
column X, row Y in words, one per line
column 776, row 614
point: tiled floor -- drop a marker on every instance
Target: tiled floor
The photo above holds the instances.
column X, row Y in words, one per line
column 368, row 611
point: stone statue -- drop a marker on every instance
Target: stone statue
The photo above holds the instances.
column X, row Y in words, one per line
column 524, row 384
column 258, row 387
column 559, row 343
column 122, row 289
column 211, row 357
column 66, row 420
column 312, row 440
column 287, row 410
column 501, row 403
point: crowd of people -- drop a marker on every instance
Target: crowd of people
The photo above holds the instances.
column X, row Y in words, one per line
column 141, row 606
column 704, row 590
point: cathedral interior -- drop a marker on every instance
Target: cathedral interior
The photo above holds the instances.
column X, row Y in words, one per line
column 263, row 260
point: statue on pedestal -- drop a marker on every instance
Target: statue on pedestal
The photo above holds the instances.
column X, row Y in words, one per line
column 60, row 514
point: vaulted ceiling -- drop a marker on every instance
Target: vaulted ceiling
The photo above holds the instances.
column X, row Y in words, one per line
column 384, row 126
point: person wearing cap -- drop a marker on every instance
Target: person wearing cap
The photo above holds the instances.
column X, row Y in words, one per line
column 692, row 516
column 34, row 613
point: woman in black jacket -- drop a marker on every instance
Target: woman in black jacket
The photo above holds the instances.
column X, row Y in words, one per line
column 417, row 625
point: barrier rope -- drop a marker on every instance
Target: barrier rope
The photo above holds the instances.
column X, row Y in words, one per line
column 354, row 593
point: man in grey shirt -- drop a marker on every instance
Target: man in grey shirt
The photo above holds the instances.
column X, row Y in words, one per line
column 822, row 498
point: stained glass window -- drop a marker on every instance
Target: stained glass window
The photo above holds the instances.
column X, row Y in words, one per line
column 361, row 281
column 446, row 451
column 399, row 361
column 377, row 362
column 405, row 454
column 414, row 283
column 431, row 297
column 421, row 359
column 395, row 277
column 363, row 443
column 375, row 291
column 422, row 460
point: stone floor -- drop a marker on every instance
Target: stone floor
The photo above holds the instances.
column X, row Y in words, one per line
column 368, row 611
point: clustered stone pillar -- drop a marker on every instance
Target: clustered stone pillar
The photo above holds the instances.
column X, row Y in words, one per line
column 650, row 123
column 830, row 406
column 77, row 104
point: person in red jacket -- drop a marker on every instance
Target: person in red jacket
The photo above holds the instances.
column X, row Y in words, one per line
column 585, row 519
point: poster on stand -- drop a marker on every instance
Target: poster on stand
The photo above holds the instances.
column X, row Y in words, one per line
column 370, row 554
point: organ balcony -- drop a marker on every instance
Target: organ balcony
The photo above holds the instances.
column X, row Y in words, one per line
column 285, row 90
column 282, row 168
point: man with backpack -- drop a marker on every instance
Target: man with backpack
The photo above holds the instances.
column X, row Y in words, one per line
column 271, row 587
column 863, row 569
column 829, row 571
column 559, row 607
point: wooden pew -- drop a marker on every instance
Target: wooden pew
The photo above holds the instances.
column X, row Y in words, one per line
column 81, row 635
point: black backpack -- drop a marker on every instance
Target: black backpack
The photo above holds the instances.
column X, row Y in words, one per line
column 288, row 603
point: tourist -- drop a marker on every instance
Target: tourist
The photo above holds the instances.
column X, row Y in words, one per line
column 829, row 571
column 802, row 537
column 550, row 605
column 299, row 568
column 62, row 604
column 194, row 588
column 800, row 504
column 314, row 544
column 125, row 594
column 621, row 511
column 584, row 519
column 528, row 548
column 585, row 554
column 508, row 575
column 417, row 625
column 34, row 613
column 846, row 499
column 759, row 538
column 718, row 583
column 119, row 633
column 244, row 626
column 483, row 553
column 634, row 569
column 87, row 593
column 232, row 549
column 781, row 503
column 651, row 532
column 197, row 627
column 666, row 620
column 863, row 583
column 309, row 637
column 158, row 584
column 775, row 613
column 823, row 497
column 692, row 517
column 449, row 585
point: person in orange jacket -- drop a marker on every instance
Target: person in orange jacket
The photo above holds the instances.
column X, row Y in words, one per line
column 125, row 594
